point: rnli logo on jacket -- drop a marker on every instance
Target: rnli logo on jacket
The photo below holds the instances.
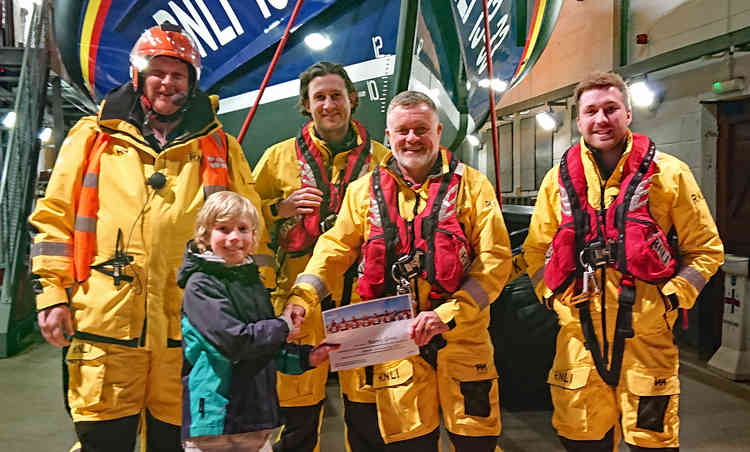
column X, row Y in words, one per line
column 660, row 248
column 385, row 376
column 78, row 349
column 563, row 377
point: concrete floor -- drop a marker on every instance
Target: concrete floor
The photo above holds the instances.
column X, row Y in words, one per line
column 715, row 413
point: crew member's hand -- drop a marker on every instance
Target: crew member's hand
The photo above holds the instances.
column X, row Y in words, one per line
column 293, row 333
column 296, row 313
column 56, row 323
column 426, row 325
column 319, row 354
column 302, row 201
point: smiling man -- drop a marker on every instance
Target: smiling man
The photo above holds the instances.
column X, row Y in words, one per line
column 601, row 253
column 426, row 224
column 113, row 224
column 302, row 182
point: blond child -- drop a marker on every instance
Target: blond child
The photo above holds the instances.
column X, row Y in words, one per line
column 233, row 344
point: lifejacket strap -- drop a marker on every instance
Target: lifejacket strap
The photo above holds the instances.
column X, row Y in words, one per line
column 389, row 232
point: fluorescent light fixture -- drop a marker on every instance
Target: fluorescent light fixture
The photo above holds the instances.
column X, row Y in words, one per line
column 546, row 121
column 317, row 41
column 496, row 84
column 641, row 94
column 473, row 140
column 9, row 120
column 29, row 4
column 468, row 85
column 45, row 134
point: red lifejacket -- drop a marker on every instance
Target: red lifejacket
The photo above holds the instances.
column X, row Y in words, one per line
column 624, row 233
column 214, row 177
column 299, row 233
column 435, row 233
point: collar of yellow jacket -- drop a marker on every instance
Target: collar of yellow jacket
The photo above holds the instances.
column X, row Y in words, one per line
column 323, row 146
column 589, row 161
column 444, row 162
column 117, row 114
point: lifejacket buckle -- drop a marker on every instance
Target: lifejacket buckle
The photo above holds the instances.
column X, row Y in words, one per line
column 597, row 254
column 327, row 223
column 408, row 266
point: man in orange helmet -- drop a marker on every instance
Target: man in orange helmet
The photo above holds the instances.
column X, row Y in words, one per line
column 119, row 208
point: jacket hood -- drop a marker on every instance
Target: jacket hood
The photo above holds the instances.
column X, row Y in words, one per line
column 194, row 261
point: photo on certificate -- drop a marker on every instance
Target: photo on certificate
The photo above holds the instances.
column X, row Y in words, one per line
column 371, row 332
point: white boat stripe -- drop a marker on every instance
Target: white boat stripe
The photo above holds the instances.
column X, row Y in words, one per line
column 366, row 70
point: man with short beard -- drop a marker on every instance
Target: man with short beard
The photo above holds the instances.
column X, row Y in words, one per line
column 426, row 224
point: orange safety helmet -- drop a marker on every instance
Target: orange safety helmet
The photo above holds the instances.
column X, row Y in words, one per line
column 166, row 39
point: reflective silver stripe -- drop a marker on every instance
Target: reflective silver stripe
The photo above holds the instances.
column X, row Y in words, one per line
column 91, row 180
column 314, row 281
column 216, row 162
column 537, row 277
column 85, row 224
column 694, row 277
column 52, row 249
column 263, row 260
column 209, row 190
column 216, row 137
column 477, row 293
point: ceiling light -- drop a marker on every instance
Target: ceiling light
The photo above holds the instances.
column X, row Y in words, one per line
column 641, row 94
column 473, row 140
column 546, row 121
column 317, row 41
column 496, row 84
column 29, row 4
column 9, row 120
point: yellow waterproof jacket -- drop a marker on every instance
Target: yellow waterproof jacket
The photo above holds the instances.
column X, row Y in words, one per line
column 479, row 214
column 277, row 176
column 155, row 224
column 674, row 200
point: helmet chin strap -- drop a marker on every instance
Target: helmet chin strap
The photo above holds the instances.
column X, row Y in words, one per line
column 179, row 99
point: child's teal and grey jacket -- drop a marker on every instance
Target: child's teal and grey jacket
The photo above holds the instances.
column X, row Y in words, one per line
column 233, row 345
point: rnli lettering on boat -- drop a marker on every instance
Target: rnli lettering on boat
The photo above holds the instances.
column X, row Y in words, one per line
column 213, row 23
column 499, row 29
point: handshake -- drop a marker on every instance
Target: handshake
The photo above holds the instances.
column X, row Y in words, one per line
column 319, row 354
column 296, row 314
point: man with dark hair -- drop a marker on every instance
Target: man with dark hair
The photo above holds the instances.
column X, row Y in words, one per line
column 601, row 253
column 421, row 223
column 302, row 182
column 113, row 223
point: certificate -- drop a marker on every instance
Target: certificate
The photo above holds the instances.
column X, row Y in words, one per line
column 371, row 332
